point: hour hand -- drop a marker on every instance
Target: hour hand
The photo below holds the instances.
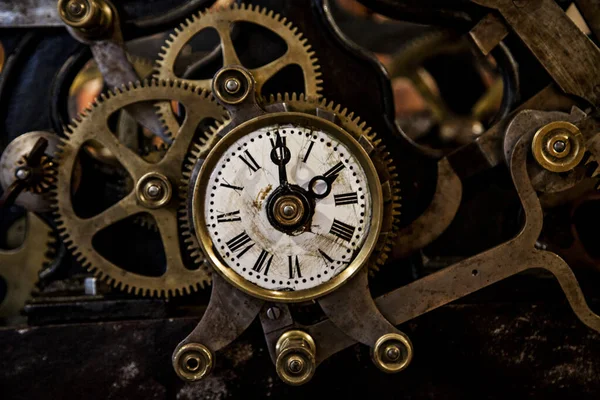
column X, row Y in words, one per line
column 280, row 155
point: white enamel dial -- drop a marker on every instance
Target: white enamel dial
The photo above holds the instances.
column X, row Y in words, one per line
column 241, row 188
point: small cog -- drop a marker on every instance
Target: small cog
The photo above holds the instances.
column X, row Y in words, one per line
column 78, row 232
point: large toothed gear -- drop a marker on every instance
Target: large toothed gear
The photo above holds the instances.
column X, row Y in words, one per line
column 298, row 51
column 78, row 232
column 20, row 267
column 351, row 124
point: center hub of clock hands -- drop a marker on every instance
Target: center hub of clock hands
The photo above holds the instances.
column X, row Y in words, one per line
column 290, row 208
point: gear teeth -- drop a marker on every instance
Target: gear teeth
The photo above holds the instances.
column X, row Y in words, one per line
column 147, row 90
column 163, row 67
column 359, row 129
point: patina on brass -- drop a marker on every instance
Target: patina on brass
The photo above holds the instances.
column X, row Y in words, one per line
column 92, row 18
column 193, row 362
column 296, row 355
column 392, row 353
column 558, row 146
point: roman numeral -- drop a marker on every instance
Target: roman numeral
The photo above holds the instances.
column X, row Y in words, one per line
column 294, row 267
column 227, row 185
column 310, row 146
column 229, row 217
column 263, row 262
column 239, row 242
column 346, row 198
column 342, row 230
column 326, row 256
column 250, row 162
column 334, row 170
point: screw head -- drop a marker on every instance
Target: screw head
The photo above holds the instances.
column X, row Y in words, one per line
column 22, row 173
column 77, row 8
column 559, row 146
column 232, row 85
column 289, row 211
column 153, row 190
column 392, row 353
column 295, row 364
column 273, row 313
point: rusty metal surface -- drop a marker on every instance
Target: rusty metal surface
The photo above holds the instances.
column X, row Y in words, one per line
column 229, row 313
column 28, row 14
column 568, row 62
column 352, row 309
column 488, row 33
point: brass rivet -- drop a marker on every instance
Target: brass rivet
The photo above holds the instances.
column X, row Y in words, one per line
column 392, row 352
column 296, row 357
column 193, row 361
column 558, row 146
column 153, row 190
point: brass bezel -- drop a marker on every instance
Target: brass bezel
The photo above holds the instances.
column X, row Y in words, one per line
column 304, row 120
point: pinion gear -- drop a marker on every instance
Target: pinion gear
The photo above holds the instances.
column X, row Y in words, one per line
column 78, row 232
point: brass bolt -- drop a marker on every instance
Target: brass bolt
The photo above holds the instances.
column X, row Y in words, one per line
column 558, row 146
column 296, row 357
column 392, row 352
column 232, row 85
column 153, row 190
column 193, row 362
column 93, row 18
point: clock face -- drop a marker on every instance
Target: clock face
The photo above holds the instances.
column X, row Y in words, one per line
column 287, row 207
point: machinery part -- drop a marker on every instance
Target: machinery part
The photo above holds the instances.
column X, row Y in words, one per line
column 19, row 268
column 296, row 357
column 193, row 362
column 465, row 277
column 568, row 64
column 281, row 125
column 228, row 314
column 392, row 353
column 78, row 232
column 298, row 52
column 101, row 30
column 93, row 18
column 37, row 175
column 558, row 146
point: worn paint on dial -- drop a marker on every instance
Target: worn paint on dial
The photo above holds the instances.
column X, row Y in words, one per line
column 237, row 196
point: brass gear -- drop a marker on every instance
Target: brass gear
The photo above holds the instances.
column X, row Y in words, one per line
column 20, row 267
column 351, row 124
column 298, row 51
column 77, row 232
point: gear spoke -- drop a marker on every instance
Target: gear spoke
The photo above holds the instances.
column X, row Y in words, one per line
column 127, row 157
column 78, row 232
column 166, row 221
column 266, row 72
column 115, row 213
column 229, row 55
column 298, row 52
